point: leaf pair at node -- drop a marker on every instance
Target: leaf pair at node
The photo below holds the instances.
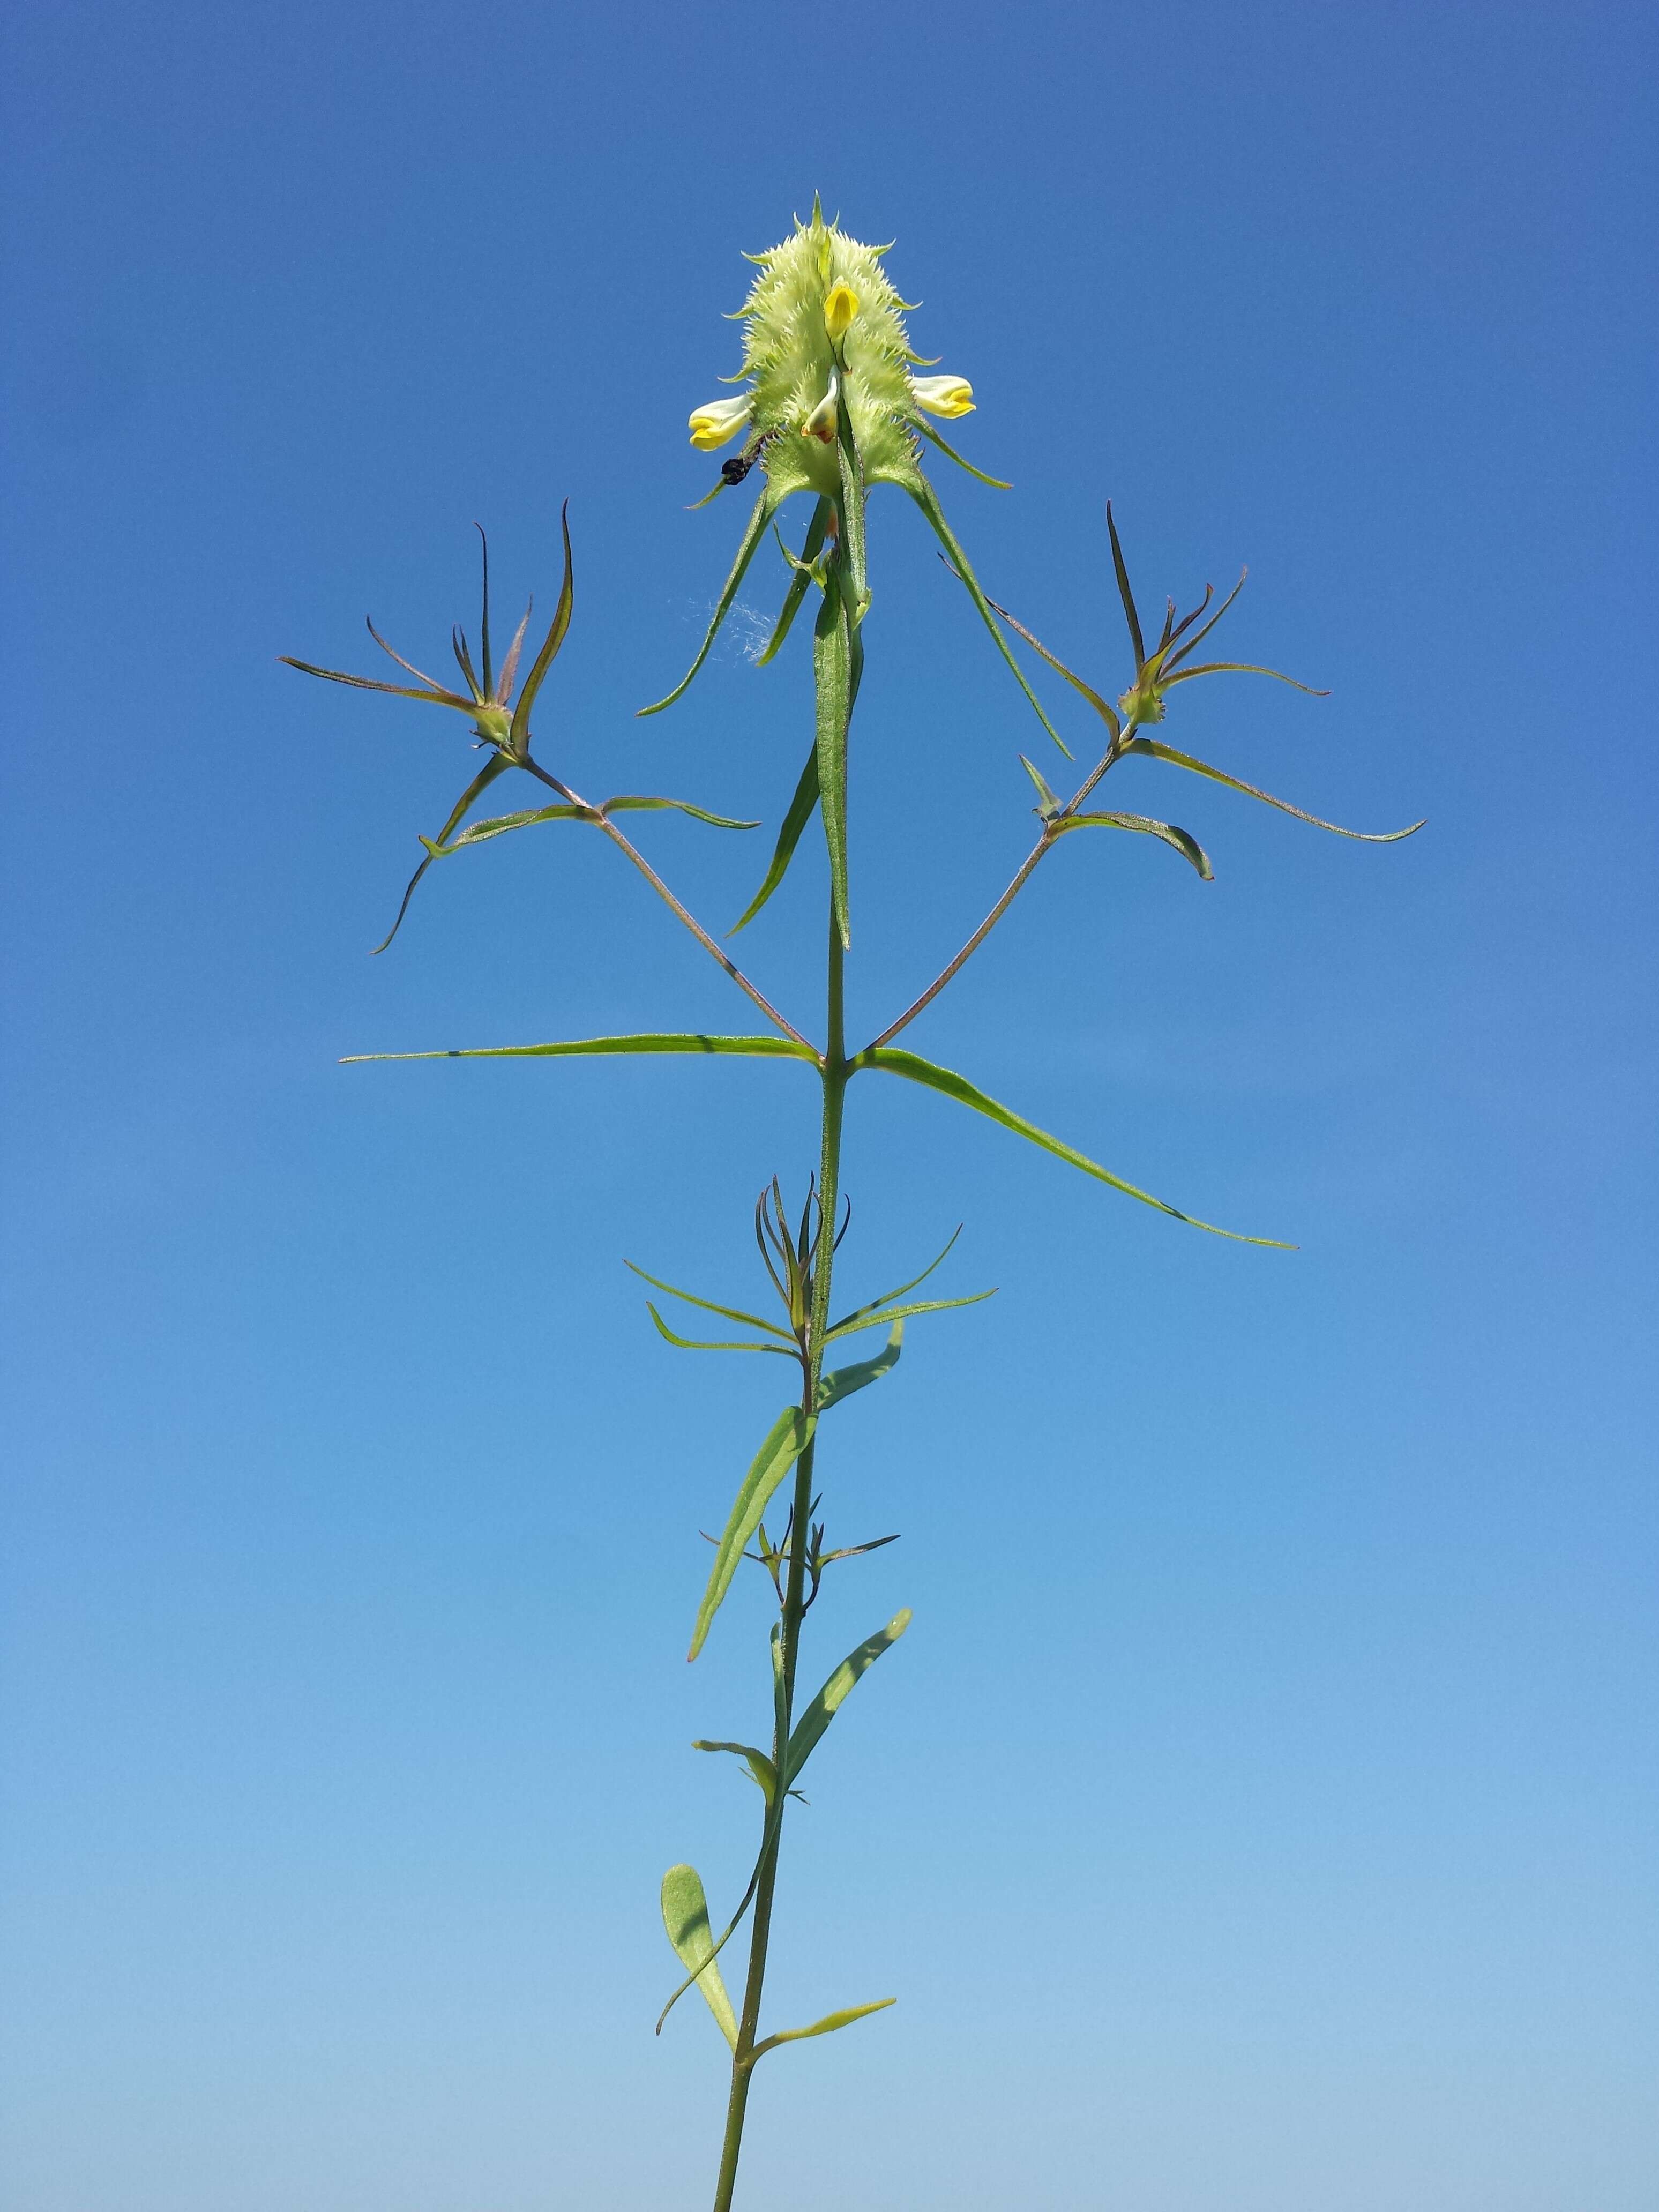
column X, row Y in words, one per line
column 790, row 1257
column 502, row 723
column 776, row 1558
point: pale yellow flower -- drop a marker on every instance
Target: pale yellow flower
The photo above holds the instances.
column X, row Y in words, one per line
column 721, row 420
column 949, row 395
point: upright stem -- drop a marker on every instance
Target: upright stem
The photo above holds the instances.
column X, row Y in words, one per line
column 834, row 1077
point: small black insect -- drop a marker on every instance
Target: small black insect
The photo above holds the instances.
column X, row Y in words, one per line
column 738, row 466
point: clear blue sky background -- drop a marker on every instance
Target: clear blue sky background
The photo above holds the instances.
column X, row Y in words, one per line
column 1260, row 1815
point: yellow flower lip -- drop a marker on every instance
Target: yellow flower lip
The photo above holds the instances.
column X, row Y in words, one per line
column 949, row 395
column 721, row 420
column 839, row 309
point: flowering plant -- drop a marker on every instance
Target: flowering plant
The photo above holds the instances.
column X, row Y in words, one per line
column 832, row 406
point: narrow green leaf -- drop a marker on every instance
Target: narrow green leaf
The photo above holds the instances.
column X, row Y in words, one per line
column 438, row 696
column 519, row 739
column 752, row 1047
column 628, row 804
column 832, row 675
column 702, row 1344
column 833, row 1388
column 799, row 814
column 478, row 833
column 904, row 1313
column 392, row 653
column 1155, row 750
column 728, row 1313
column 1048, row 804
column 816, row 530
column 863, row 1314
column 759, row 515
column 685, row 1916
column 1240, row 668
column 1125, row 594
column 1198, row 636
column 786, row 1440
column 510, row 665
column 494, row 765
column 827, row 2026
column 997, row 483
column 483, row 624
column 927, row 499
column 1184, row 843
column 852, row 515
column 760, row 1767
column 1107, row 714
column 915, row 1069
column 457, row 642
column 809, row 1728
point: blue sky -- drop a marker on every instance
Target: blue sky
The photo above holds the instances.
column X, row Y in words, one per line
column 1259, row 1812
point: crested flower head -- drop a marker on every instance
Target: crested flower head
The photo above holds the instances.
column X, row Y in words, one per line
column 824, row 340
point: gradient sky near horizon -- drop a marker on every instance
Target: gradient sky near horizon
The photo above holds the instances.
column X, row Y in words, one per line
column 1260, row 1815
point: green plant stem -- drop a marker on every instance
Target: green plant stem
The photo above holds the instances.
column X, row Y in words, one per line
column 836, row 1077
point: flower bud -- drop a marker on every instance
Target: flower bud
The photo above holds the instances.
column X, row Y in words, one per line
column 721, row 420
column 839, row 310
column 949, row 395
column 825, row 420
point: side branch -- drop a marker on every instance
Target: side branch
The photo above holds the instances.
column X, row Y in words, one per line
column 682, row 913
column 1027, row 866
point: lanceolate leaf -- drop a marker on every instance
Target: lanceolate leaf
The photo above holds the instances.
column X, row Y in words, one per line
column 751, row 1047
column 863, row 1315
column 786, row 1440
column 832, row 669
column 477, row 832
column 799, row 814
column 997, row 483
column 759, row 515
column 499, row 824
column 809, row 1728
column 758, row 1764
column 911, row 1066
column 927, row 499
column 833, row 1388
column 904, row 1313
column 1186, row 845
column 627, row 804
column 702, row 1344
column 816, row 530
column 827, row 2026
column 1156, row 751
column 729, row 1313
column 435, row 693
column 519, row 736
column 1106, row 713
column 852, row 515
column 487, row 774
column 685, row 1916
